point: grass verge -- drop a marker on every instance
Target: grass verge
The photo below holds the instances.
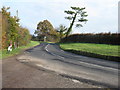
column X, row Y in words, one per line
column 109, row 52
column 4, row 54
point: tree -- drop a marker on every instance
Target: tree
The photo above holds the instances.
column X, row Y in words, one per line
column 12, row 32
column 5, row 15
column 46, row 29
column 0, row 30
column 76, row 15
column 61, row 30
column 10, row 25
column 24, row 36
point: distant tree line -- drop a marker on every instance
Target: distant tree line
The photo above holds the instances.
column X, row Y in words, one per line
column 12, row 32
column 100, row 38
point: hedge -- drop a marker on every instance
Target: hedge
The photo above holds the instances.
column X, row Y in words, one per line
column 100, row 38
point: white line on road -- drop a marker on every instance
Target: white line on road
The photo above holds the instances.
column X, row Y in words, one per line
column 80, row 61
column 75, row 81
column 53, row 53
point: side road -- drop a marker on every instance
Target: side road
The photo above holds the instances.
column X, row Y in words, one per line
column 20, row 75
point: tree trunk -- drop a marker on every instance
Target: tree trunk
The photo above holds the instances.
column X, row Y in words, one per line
column 71, row 25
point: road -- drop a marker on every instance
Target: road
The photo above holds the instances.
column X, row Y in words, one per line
column 94, row 71
column 21, row 75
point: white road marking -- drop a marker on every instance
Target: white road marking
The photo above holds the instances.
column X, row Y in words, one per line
column 76, row 81
column 46, row 48
column 80, row 61
column 99, row 66
column 39, row 65
column 53, row 53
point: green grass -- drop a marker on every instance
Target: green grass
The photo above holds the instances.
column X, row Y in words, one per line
column 101, row 49
column 4, row 54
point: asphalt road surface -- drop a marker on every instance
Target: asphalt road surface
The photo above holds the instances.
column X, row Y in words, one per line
column 23, row 76
column 94, row 71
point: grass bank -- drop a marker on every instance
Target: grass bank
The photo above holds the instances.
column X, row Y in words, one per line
column 4, row 54
column 104, row 51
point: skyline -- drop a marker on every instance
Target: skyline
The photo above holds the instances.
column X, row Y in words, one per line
column 102, row 14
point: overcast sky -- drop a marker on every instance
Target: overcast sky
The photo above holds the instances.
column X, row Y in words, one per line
column 102, row 14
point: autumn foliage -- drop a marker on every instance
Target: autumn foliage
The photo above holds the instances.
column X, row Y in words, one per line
column 12, row 32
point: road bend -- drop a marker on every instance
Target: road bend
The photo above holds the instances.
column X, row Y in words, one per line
column 86, row 69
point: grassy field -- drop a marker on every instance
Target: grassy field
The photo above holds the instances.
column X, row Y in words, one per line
column 4, row 54
column 102, row 49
